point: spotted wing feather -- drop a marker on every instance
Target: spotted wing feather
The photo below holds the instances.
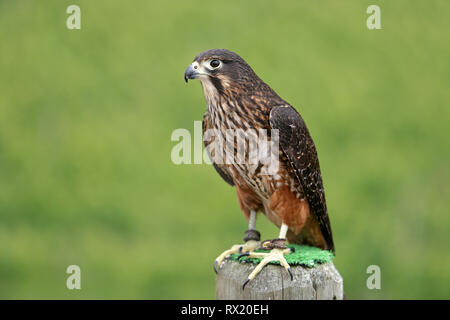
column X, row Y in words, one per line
column 299, row 148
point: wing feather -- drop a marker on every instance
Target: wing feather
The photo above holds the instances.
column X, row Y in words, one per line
column 299, row 148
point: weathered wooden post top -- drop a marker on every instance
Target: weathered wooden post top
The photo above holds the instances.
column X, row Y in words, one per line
column 314, row 278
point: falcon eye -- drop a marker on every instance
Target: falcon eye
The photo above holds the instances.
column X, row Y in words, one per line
column 214, row 63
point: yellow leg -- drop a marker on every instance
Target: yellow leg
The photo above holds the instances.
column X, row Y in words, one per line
column 251, row 243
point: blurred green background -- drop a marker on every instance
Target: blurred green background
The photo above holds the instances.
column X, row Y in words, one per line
column 86, row 118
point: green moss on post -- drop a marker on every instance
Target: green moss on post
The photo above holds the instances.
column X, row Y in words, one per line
column 315, row 277
column 306, row 256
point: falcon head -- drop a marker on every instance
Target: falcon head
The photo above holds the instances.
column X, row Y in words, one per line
column 220, row 68
column 225, row 74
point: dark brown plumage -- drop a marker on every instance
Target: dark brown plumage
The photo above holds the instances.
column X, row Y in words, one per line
column 238, row 99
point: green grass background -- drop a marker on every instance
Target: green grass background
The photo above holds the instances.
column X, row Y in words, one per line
column 86, row 117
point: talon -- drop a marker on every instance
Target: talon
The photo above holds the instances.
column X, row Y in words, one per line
column 215, row 266
column 292, row 249
column 245, row 283
column 240, row 249
column 290, row 273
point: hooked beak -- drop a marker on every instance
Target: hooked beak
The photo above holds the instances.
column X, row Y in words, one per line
column 191, row 72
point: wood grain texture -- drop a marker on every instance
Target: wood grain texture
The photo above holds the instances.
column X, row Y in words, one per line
column 273, row 283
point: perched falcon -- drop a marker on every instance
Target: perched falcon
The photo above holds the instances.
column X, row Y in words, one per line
column 293, row 197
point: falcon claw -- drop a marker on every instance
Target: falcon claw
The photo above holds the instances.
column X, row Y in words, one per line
column 292, row 249
column 215, row 266
column 245, row 283
column 290, row 273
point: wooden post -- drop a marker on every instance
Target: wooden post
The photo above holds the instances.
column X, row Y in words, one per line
column 273, row 283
